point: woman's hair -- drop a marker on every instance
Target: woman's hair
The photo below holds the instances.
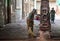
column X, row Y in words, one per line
column 53, row 8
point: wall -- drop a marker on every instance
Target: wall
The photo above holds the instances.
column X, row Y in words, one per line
column 1, row 12
column 13, row 7
column 18, row 10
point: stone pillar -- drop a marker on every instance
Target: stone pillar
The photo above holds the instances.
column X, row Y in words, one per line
column 8, row 11
column 18, row 10
column 1, row 13
column 45, row 16
column 23, row 14
column 44, row 21
column 5, row 12
column 35, row 4
column 13, row 8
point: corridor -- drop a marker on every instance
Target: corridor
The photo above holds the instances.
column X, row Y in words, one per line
column 13, row 20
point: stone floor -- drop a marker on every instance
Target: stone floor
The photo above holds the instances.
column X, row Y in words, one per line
column 17, row 31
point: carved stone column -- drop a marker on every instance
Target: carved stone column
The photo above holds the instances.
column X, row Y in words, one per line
column 45, row 16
